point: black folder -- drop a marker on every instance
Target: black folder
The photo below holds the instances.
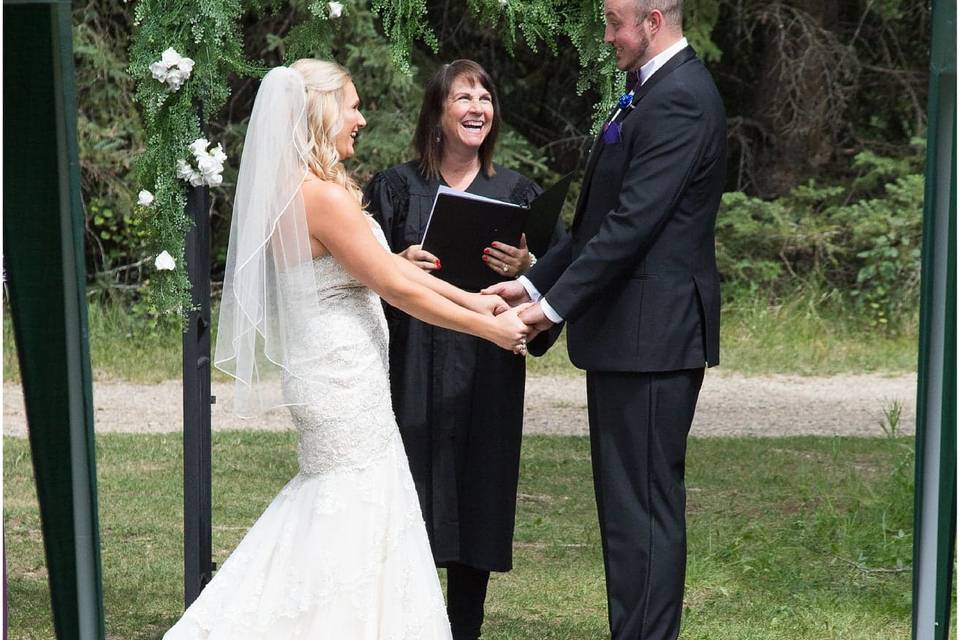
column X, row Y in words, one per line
column 462, row 225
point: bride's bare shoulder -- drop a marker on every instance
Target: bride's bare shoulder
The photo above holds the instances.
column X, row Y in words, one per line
column 325, row 196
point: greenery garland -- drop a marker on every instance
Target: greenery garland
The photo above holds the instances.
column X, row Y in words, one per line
column 208, row 34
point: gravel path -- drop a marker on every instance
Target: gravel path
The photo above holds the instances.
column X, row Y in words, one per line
column 730, row 405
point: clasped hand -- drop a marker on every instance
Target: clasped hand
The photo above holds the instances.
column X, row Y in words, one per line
column 514, row 294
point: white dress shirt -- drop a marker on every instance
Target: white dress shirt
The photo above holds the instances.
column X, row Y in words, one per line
column 661, row 59
column 646, row 71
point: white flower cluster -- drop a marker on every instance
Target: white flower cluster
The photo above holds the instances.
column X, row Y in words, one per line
column 336, row 9
column 172, row 68
column 164, row 262
column 145, row 198
column 209, row 169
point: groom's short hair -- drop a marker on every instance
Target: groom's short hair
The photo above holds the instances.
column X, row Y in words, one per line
column 672, row 10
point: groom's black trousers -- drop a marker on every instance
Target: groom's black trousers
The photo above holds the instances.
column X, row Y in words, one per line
column 638, row 438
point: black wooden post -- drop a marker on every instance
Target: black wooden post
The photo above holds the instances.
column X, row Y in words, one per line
column 198, row 566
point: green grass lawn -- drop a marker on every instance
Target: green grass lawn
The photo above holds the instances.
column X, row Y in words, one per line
column 792, row 538
column 796, row 337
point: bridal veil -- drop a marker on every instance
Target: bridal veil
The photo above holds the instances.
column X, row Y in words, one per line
column 269, row 242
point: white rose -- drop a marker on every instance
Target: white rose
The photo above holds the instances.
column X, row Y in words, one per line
column 175, row 79
column 165, row 262
column 170, row 57
column 218, row 154
column 145, row 198
column 336, row 9
column 199, row 146
column 159, row 71
column 186, row 66
column 196, row 180
column 208, row 165
column 184, row 170
column 214, row 180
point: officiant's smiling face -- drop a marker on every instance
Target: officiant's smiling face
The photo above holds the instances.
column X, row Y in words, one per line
column 627, row 30
column 467, row 114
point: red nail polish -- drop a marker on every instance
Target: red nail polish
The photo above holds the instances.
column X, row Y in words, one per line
column 437, row 262
column 484, row 258
column 486, row 250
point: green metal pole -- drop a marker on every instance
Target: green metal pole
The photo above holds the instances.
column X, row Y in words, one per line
column 43, row 229
column 936, row 441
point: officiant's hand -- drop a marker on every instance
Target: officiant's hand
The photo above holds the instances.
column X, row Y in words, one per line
column 423, row 259
column 508, row 260
column 511, row 291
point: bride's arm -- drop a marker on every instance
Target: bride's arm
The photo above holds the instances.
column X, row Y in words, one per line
column 490, row 304
column 335, row 220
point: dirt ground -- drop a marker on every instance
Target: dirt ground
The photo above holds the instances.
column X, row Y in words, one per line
column 730, row 405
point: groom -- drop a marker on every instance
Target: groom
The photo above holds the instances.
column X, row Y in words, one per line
column 636, row 281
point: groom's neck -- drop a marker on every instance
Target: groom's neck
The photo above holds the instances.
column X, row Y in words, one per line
column 660, row 43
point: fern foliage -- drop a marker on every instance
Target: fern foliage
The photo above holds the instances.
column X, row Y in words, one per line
column 209, row 32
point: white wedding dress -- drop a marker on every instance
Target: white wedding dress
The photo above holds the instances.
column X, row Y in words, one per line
column 342, row 552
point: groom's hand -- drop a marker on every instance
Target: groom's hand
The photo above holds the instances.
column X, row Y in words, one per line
column 534, row 317
column 512, row 292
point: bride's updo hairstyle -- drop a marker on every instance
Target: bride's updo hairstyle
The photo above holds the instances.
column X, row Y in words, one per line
column 324, row 83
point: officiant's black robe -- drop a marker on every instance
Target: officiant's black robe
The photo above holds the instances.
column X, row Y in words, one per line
column 458, row 399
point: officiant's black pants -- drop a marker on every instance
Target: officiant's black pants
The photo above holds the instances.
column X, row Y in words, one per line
column 466, row 593
column 638, row 438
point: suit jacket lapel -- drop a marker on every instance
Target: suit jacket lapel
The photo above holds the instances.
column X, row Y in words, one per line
column 588, row 172
column 595, row 148
column 684, row 55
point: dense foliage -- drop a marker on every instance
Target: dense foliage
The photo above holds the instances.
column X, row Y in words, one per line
column 857, row 245
column 823, row 100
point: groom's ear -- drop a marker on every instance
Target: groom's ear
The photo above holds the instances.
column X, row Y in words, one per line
column 656, row 21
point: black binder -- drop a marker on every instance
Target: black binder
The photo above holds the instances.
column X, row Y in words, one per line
column 462, row 225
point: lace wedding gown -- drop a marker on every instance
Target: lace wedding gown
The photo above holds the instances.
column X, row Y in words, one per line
column 342, row 552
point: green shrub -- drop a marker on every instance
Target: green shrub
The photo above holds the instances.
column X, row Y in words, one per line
column 110, row 138
column 861, row 242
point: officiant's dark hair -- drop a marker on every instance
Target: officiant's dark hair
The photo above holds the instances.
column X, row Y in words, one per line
column 428, row 139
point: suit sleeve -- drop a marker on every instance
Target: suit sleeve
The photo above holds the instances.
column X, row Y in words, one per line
column 546, row 339
column 666, row 152
column 552, row 264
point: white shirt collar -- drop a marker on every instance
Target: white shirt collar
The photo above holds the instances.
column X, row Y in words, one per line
column 661, row 59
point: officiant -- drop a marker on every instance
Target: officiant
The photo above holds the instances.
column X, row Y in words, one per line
column 458, row 399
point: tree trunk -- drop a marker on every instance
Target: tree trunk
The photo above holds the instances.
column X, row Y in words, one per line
column 801, row 90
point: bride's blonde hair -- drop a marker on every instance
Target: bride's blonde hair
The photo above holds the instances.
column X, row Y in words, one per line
column 324, row 83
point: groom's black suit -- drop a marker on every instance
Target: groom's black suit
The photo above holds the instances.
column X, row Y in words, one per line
column 636, row 281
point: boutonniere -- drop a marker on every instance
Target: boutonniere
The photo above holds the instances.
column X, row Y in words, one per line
column 611, row 130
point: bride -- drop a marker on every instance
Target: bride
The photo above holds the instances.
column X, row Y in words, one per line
column 342, row 551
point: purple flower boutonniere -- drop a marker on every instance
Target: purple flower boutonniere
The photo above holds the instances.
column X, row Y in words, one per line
column 611, row 130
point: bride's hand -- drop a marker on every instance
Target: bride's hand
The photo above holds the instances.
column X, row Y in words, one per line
column 488, row 305
column 511, row 332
